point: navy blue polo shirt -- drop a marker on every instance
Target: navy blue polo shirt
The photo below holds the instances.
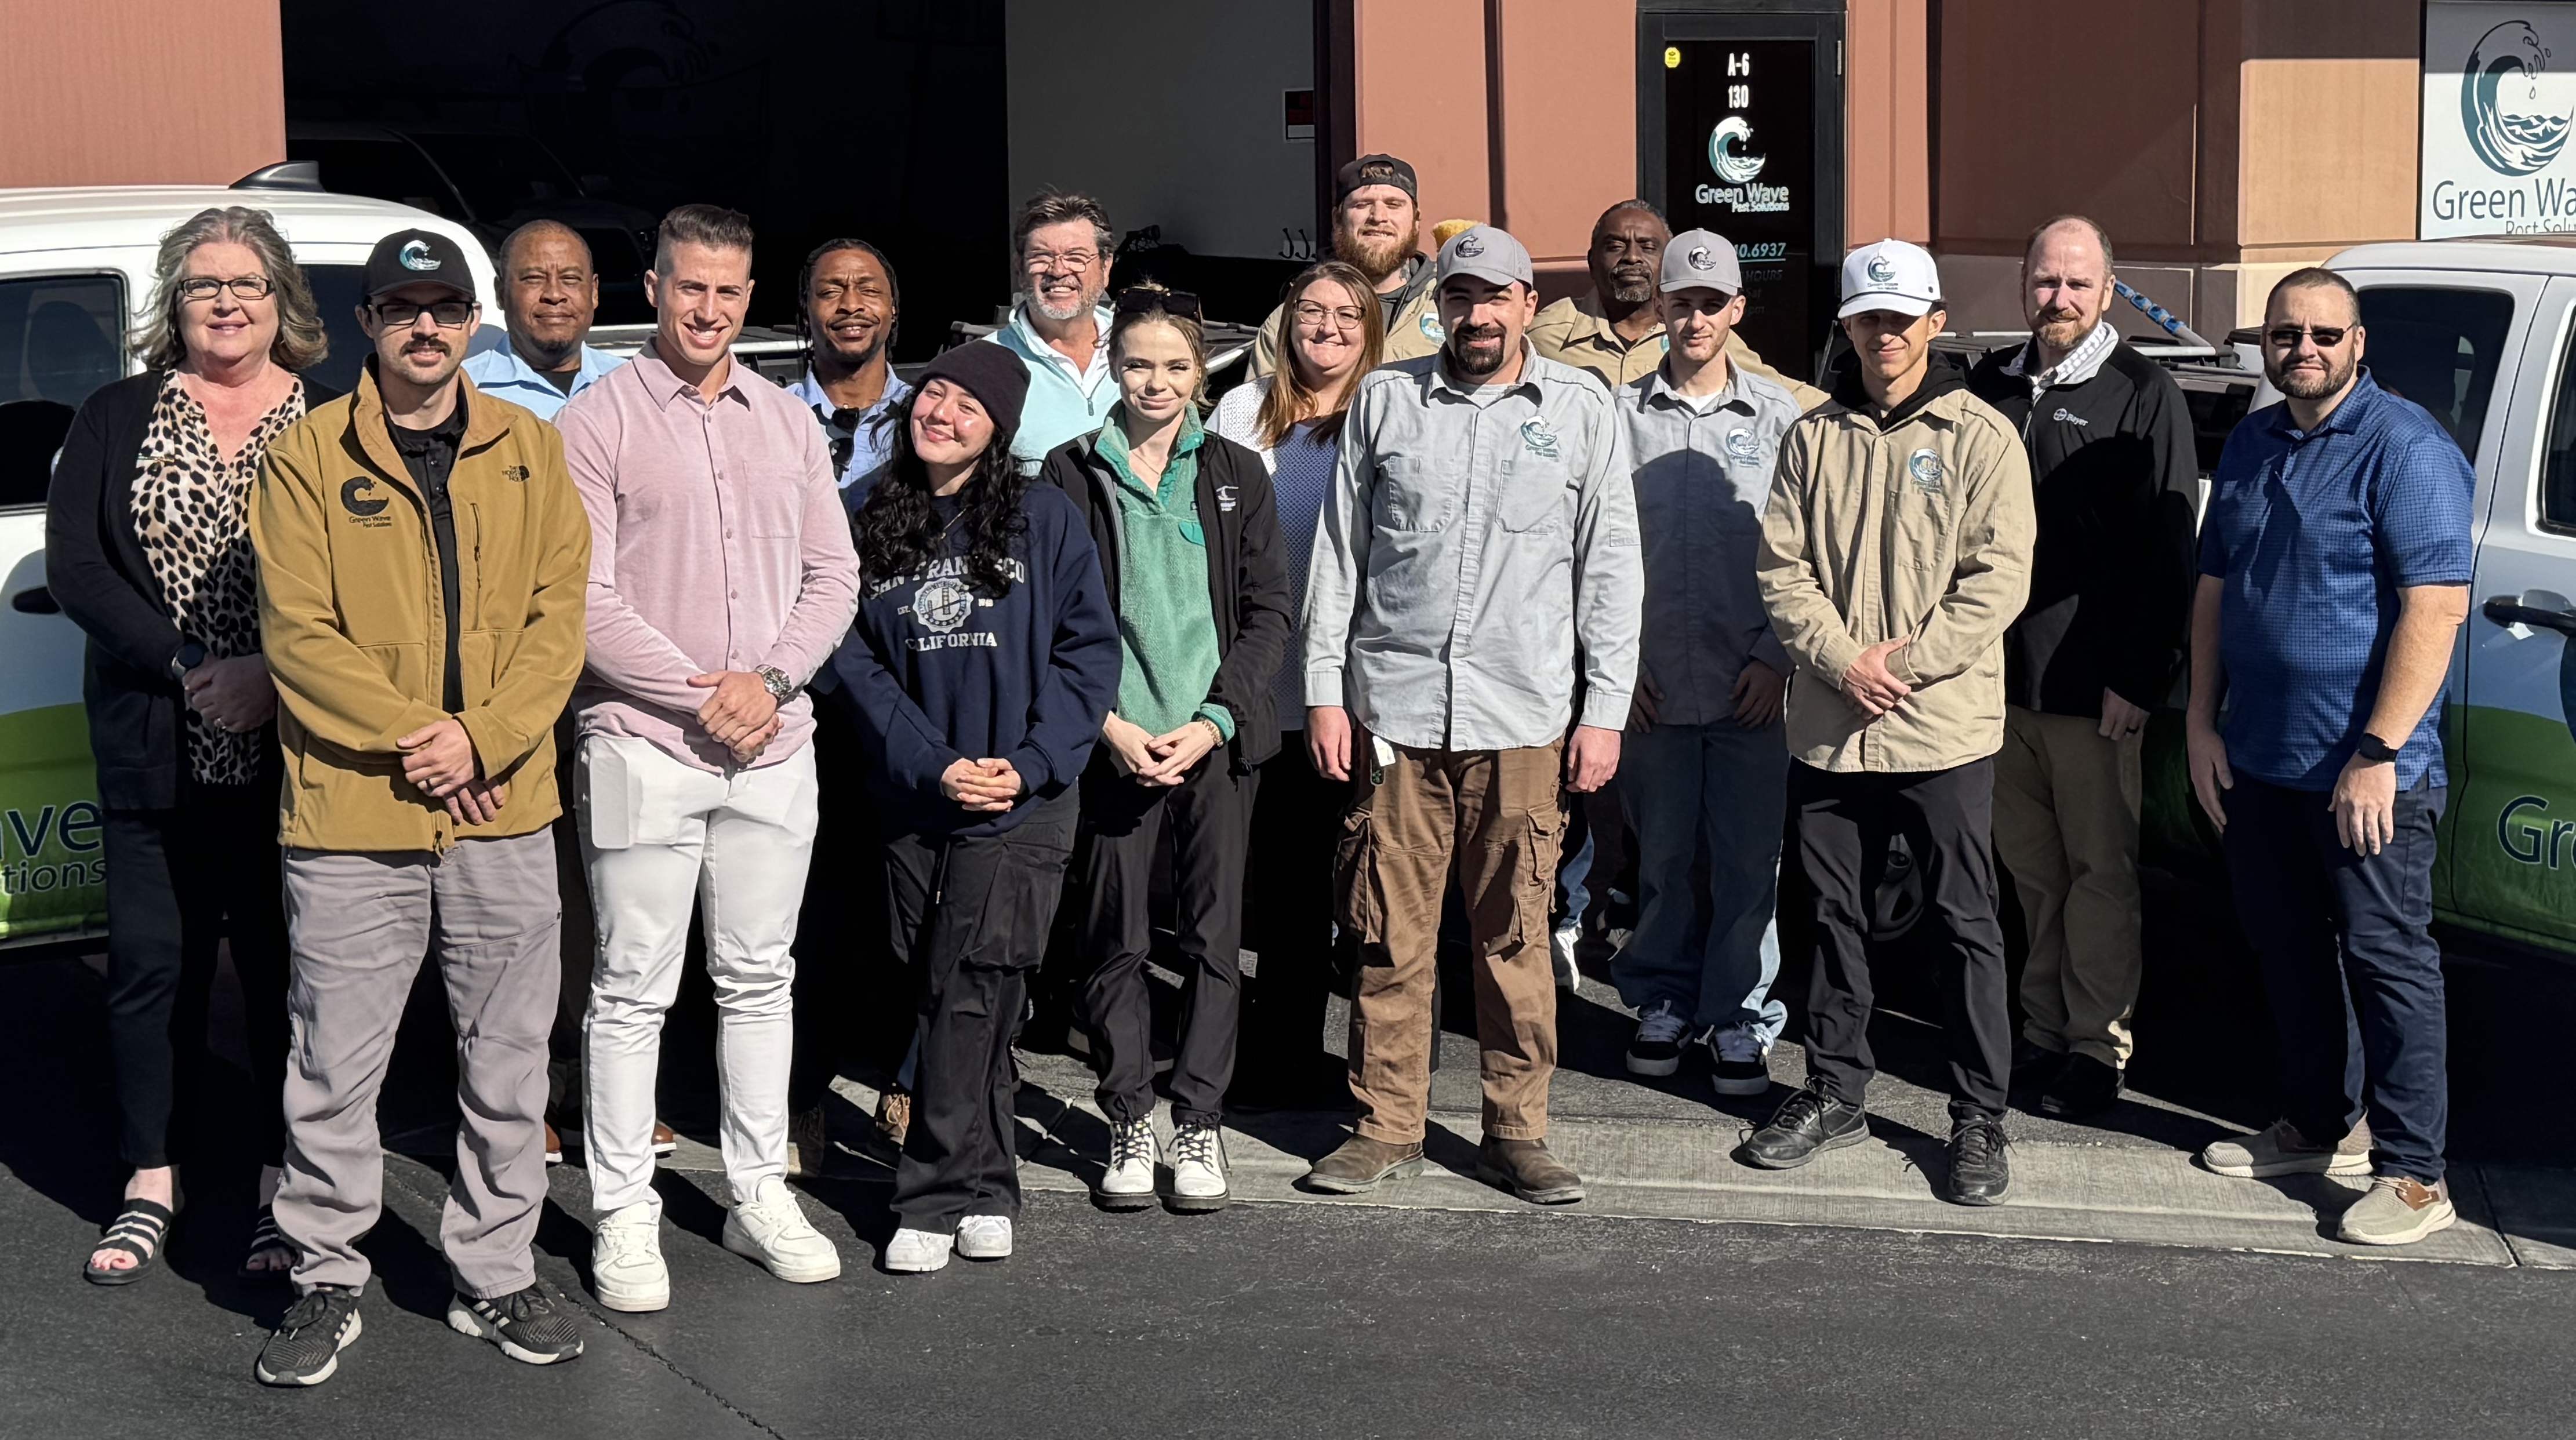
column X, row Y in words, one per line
column 2315, row 532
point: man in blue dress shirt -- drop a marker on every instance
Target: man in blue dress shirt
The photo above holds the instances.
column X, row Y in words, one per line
column 549, row 292
column 852, row 310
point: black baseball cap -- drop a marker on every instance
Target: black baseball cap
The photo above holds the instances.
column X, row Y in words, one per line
column 1374, row 170
column 418, row 257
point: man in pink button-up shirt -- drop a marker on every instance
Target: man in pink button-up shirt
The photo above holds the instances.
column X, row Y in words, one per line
column 722, row 577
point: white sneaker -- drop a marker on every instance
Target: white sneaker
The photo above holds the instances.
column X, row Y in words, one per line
column 1740, row 1061
column 1661, row 1033
column 918, row 1252
column 626, row 1269
column 1560, row 949
column 772, row 1229
column 1128, row 1183
column 1198, row 1169
column 982, row 1237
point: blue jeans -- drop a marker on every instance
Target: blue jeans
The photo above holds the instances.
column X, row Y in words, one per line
column 1722, row 789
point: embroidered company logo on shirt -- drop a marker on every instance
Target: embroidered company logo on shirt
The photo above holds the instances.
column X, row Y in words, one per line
column 366, row 511
column 1225, row 497
column 1431, row 330
column 1539, row 438
column 1925, row 466
column 2065, row 416
column 1742, row 447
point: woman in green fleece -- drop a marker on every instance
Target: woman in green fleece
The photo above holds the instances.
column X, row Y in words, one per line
column 1190, row 551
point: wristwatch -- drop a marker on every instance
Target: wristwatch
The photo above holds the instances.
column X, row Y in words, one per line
column 781, row 689
column 2375, row 750
column 187, row 657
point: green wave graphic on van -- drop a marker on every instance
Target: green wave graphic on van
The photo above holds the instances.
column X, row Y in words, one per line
column 53, row 866
column 2513, row 841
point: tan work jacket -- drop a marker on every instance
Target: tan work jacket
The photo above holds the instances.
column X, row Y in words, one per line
column 1574, row 331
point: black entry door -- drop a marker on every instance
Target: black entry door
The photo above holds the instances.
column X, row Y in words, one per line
column 1740, row 131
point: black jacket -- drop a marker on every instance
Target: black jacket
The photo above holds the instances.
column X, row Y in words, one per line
column 96, row 569
column 1247, row 573
column 2114, row 475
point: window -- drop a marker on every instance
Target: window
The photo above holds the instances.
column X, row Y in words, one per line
column 2438, row 348
column 386, row 169
column 61, row 337
column 2558, row 461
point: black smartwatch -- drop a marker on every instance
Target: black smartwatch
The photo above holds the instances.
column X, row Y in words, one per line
column 2375, row 750
column 189, row 656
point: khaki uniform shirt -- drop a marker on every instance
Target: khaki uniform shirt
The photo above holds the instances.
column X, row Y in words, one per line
column 1920, row 531
column 1575, row 332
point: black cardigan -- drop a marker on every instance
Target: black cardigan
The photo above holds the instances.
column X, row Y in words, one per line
column 96, row 569
column 1247, row 572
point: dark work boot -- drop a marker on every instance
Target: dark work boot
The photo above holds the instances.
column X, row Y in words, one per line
column 1979, row 1173
column 1361, row 1163
column 1805, row 1123
column 1526, row 1169
column 2084, row 1086
column 2034, row 1065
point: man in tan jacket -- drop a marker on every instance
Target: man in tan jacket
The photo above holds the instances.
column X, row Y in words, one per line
column 422, row 560
column 1896, row 548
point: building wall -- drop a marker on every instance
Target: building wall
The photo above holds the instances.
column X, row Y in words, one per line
column 1193, row 141
column 1887, row 170
column 121, row 92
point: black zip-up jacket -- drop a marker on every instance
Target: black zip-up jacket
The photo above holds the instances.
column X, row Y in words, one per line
column 2114, row 474
column 1247, row 573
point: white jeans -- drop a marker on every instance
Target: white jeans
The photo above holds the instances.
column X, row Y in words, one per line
column 658, row 835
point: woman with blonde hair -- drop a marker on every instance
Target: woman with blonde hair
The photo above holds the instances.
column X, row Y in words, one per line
column 147, row 548
column 1293, row 420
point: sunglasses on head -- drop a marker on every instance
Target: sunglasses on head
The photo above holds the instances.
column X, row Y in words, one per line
column 1179, row 304
column 2326, row 336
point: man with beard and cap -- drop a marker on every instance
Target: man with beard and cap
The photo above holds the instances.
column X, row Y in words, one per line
column 422, row 561
column 2115, row 473
column 2334, row 570
column 1063, row 246
column 549, row 292
column 852, row 309
column 1377, row 230
column 1479, row 528
column 1895, row 549
column 1617, row 331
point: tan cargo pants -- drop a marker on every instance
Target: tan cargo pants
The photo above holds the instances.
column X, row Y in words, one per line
column 1495, row 814
column 2066, row 826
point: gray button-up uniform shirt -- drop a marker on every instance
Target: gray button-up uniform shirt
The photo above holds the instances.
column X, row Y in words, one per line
column 1470, row 539
column 1702, row 478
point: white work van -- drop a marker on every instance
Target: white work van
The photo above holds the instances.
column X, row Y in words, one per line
column 75, row 273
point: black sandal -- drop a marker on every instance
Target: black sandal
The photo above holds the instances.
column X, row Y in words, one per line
column 265, row 1237
column 141, row 1229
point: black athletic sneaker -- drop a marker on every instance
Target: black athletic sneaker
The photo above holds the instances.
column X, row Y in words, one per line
column 525, row 1324
column 1979, row 1173
column 1805, row 1123
column 305, row 1347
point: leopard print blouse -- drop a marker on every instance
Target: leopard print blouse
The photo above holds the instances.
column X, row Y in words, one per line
column 192, row 513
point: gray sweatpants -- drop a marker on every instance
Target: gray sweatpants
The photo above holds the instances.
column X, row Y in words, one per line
column 358, row 926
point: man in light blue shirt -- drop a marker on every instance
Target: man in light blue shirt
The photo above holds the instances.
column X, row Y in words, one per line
column 1058, row 326
column 549, row 292
column 852, row 311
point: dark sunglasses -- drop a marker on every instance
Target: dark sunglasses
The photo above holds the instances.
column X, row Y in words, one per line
column 1179, row 304
column 2326, row 336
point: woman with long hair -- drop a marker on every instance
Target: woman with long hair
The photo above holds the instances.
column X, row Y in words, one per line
column 982, row 661
column 147, row 548
column 1292, row 419
column 1191, row 557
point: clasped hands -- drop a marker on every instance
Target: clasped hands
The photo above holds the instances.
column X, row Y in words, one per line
column 1164, row 759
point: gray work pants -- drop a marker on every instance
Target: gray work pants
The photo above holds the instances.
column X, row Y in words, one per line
column 358, row 926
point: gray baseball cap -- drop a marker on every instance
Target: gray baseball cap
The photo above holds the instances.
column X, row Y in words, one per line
column 1701, row 260
column 1487, row 254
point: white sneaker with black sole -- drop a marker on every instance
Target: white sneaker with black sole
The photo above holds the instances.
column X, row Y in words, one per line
column 771, row 1228
column 1739, row 1063
column 626, row 1269
column 524, row 1323
column 1661, row 1034
column 918, row 1252
column 984, row 1237
column 1198, row 1170
column 1127, row 1181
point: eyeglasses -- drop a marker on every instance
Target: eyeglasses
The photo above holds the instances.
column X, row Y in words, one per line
column 1044, row 262
column 2327, row 336
column 243, row 287
column 450, row 314
column 1179, row 304
column 1343, row 317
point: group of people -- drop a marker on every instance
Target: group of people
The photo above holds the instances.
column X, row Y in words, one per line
column 1037, row 639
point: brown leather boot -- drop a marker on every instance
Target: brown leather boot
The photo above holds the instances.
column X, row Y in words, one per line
column 1361, row 1163
column 1526, row 1169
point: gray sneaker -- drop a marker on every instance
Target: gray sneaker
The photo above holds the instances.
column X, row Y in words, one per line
column 2397, row 1210
column 2282, row 1150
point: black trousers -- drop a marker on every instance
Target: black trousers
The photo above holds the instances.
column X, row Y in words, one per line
column 852, row 1000
column 1844, row 820
column 1207, row 818
column 1288, row 922
column 971, row 916
column 178, row 881
column 2350, row 966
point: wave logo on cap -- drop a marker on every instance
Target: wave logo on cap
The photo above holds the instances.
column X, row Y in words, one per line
column 1742, row 447
column 1882, row 271
column 416, row 256
column 1700, row 259
column 1470, row 247
column 1731, row 165
column 1925, row 466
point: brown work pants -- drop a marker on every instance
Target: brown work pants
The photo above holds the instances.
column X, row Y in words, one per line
column 2066, row 826
column 1494, row 813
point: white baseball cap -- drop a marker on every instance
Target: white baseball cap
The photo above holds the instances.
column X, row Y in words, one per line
column 1701, row 260
column 1890, row 275
column 1487, row 254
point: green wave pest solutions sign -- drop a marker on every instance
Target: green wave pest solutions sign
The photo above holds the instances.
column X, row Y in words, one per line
column 53, row 866
column 2499, row 98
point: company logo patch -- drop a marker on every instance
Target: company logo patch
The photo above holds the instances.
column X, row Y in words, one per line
column 1225, row 497
column 1881, row 270
column 1742, row 448
column 1431, row 331
column 1470, row 247
column 942, row 605
column 350, row 500
column 2499, row 101
column 515, row 474
column 2065, row 416
column 1539, row 438
column 416, row 256
column 1731, row 165
column 1700, row 259
column 1377, row 172
column 1924, row 466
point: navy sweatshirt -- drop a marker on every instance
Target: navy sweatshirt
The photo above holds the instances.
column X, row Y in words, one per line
column 936, row 672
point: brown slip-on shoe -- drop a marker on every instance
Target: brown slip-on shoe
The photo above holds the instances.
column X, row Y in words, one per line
column 894, row 1117
column 1361, row 1164
column 1526, row 1169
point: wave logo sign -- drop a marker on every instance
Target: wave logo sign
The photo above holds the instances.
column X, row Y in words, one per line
column 1732, row 166
column 2499, row 101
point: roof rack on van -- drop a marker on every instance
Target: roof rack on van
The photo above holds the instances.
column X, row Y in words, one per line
column 285, row 175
